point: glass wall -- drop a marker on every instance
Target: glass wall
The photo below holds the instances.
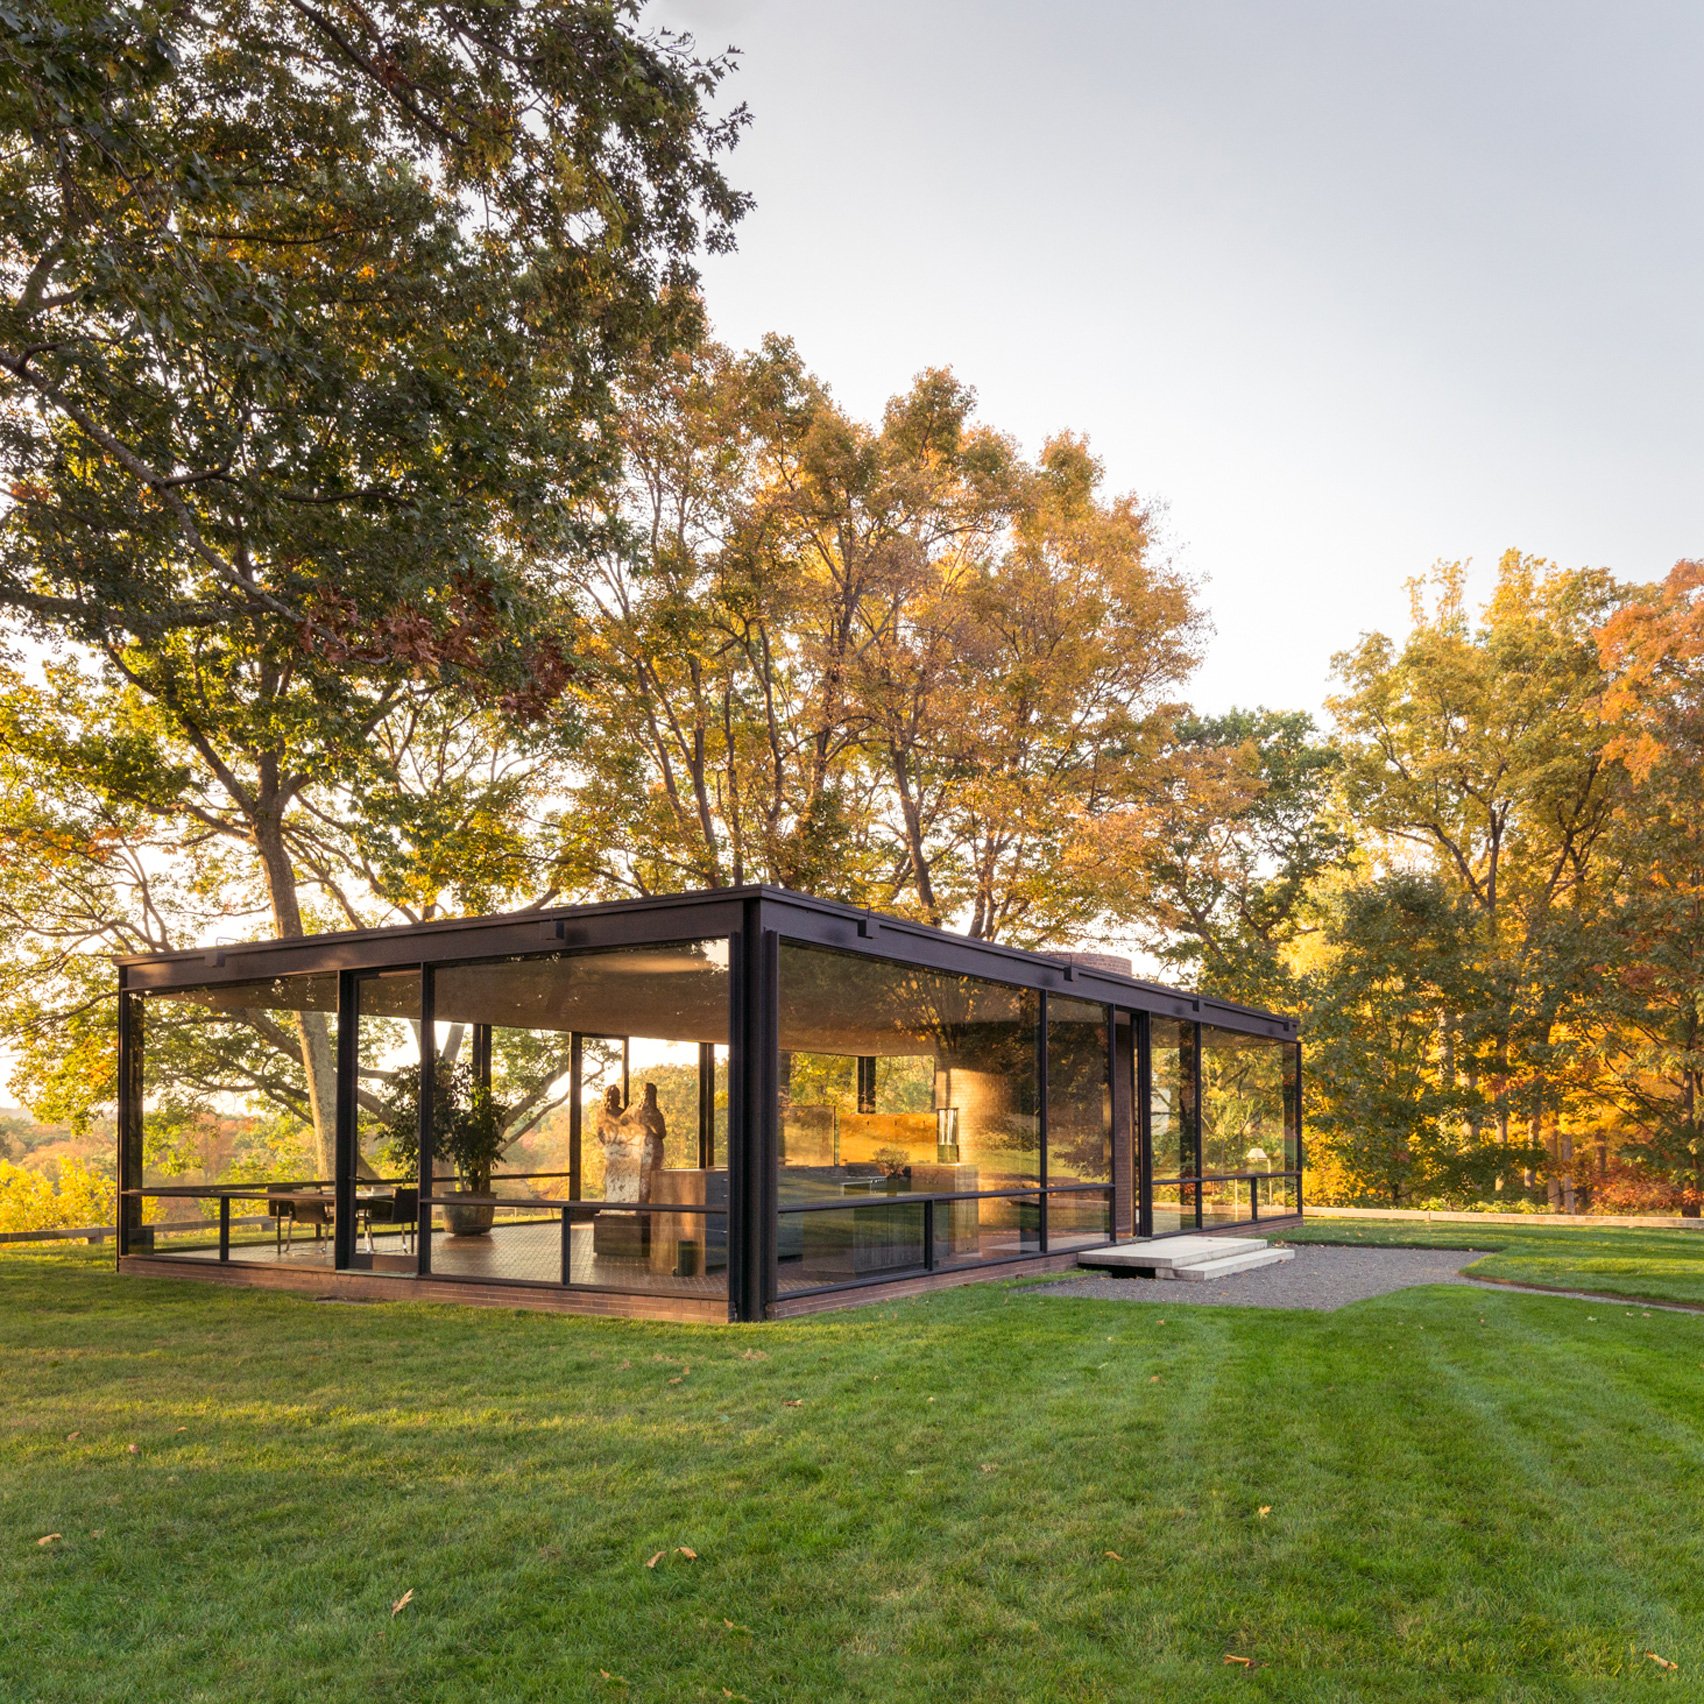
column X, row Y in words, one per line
column 1079, row 1124
column 596, row 1078
column 1249, row 1149
column 910, row 1127
column 1172, row 1125
column 1235, row 1157
column 238, row 1119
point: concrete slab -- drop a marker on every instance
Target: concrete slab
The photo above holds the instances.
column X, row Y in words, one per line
column 1163, row 1254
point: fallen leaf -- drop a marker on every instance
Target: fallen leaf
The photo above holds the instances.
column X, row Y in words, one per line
column 734, row 1626
column 794, row 1402
column 675, row 1380
column 403, row 1602
column 613, row 1679
column 687, row 1551
column 1114, row 1555
column 50, row 1538
column 1661, row 1662
column 986, row 1467
column 654, row 1561
column 754, row 1354
column 1246, row 1662
column 183, row 1428
column 134, row 1449
column 99, row 1532
column 1264, row 1510
column 727, row 1694
column 72, row 1437
column 1153, row 1378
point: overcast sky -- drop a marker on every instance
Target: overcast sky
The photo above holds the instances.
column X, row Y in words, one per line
column 1351, row 286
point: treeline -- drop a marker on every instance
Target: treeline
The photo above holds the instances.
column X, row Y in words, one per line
column 386, row 539
column 1484, row 890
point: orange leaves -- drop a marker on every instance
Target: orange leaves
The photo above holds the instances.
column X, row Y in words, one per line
column 685, row 1550
column 1661, row 1662
column 50, row 1538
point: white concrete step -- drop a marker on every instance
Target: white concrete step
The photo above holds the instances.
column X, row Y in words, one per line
column 1186, row 1257
column 1163, row 1254
column 1231, row 1263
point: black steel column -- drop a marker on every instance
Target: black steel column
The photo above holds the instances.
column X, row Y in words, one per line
column 343, row 1146
column 1299, row 1157
column 1041, row 1113
column 753, row 1095
column 1125, row 1140
column 129, row 1218
column 1196, row 1120
column 428, row 1098
column 1143, row 1035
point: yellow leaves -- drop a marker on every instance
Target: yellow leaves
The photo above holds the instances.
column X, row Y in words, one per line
column 1113, row 1555
column 402, row 1603
column 1264, row 1510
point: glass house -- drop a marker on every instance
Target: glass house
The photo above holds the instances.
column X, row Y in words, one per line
column 738, row 1104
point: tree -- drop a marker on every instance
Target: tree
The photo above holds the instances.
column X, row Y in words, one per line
column 894, row 664
column 1653, row 1042
column 1482, row 749
column 309, row 320
column 1226, row 858
column 1395, row 952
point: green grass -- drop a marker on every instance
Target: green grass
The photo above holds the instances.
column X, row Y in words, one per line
column 1445, row 1493
column 1663, row 1266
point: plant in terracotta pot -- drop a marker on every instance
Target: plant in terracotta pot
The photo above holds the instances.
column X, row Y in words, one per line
column 467, row 1131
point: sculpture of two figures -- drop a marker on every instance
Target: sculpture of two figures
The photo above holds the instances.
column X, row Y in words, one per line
column 632, row 1141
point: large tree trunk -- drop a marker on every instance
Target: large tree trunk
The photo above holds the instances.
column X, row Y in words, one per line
column 319, row 1056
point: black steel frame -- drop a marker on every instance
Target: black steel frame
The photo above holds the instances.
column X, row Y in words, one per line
column 754, row 921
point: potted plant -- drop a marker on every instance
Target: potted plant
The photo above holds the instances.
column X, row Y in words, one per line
column 467, row 1131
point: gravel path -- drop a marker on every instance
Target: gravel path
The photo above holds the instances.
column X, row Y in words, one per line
column 1320, row 1277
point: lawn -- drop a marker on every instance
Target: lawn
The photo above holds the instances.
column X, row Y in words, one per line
column 1608, row 1259
column 983, row 1494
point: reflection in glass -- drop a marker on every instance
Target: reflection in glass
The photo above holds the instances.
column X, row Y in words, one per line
column 1079, row 1093
column 949, row 1107
column 1244, row 1124
column 1171, row 1097
column 1174, row 1207
column 238, row 1087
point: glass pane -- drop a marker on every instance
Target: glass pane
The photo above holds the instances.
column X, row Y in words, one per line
column 1174, row 1207
column 1079, row 1093
column 1243, row 1094
column 1225, row 1201
column 238, row 1088
column 896, row 1082
column 1080, row 1219
column 604, row 1070
column 387, row 1121
column 1277, row 1195
column 1171, row 1096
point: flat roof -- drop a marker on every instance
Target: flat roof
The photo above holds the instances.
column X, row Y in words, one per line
column 683, row 916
